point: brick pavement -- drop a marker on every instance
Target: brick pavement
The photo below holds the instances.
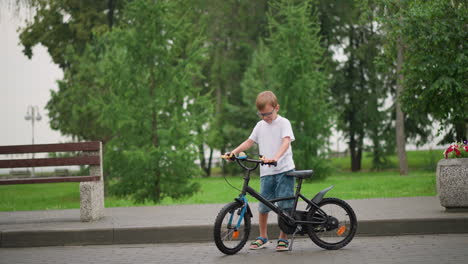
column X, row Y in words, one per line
column 425, row 249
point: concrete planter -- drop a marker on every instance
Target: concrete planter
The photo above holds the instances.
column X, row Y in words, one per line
column 452, row 183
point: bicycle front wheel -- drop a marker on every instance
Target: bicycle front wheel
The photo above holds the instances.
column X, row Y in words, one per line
column 228, row 238
column 339, row 227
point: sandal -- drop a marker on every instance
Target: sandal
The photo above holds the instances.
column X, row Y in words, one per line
column 283, row 245
column 261, row 242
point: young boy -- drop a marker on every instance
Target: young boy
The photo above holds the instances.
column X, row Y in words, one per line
column 274, row 135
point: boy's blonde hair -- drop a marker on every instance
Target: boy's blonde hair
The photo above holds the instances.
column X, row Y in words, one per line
column 265, row 98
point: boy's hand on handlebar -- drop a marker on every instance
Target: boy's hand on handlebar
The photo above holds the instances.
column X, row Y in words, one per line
column 229, row 156
column 268, row 161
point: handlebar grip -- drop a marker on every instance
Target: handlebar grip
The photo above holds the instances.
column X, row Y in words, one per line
column 270, row 163
column 226, row 157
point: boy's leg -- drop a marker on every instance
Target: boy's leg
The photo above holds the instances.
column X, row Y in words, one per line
column 267, row 187
column 262, row 223
column 267, row 190
column 285, row 188
column 283, row 235
column 261, row 241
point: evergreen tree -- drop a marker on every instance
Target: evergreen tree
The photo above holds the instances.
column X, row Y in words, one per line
column 258, row 77
column 297, row 77
column 233, row 29
column 149, row 66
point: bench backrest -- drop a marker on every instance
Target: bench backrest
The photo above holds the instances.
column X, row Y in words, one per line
column 91, row 154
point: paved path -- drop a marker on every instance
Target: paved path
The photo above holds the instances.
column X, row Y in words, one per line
column 427, row 249
column 194, row 223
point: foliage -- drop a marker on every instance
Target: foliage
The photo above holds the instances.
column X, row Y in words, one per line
column 65, row 27
column 233, row 28
column 125, row 70
column 435, row 62
column 297, row 77
column 71, row 108
column 59, row 24
column 359, row 88
column 258, row 77
column 436, row 65
column 147, row 68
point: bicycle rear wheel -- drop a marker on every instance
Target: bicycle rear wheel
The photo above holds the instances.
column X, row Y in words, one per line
column 228, row 238
column 340, row 224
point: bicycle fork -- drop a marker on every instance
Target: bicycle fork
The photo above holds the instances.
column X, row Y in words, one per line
column 244, row 201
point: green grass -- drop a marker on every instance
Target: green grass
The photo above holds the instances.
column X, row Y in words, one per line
column 215, row 190
column 417, row 160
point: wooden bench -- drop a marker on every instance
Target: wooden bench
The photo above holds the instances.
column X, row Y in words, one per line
column 91, row 186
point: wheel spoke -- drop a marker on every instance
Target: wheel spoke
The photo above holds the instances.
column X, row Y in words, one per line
column 229, row 232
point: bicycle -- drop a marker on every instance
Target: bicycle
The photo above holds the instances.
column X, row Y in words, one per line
column 329, row 222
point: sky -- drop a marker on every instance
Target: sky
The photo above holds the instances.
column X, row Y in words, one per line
column 24, row 82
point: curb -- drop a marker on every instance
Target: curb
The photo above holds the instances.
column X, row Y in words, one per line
column 204, row 233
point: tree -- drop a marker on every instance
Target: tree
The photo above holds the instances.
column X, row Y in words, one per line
column 293, row 60
column 148, row 67
column 359, row 88
column 391, row 16
column 435, row 67
column 233, row 29
column 59, row 24
column 431, row 70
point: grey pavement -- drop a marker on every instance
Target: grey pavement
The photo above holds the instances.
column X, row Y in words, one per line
column 423, row 249
column 193, row 223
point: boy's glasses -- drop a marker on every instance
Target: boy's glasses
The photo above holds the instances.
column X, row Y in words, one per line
column 265, row 114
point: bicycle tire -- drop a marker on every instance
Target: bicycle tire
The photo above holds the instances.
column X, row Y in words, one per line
column 316, row 232
column 223, row 234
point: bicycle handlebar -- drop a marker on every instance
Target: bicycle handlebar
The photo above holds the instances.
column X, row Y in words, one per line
column 261, row 162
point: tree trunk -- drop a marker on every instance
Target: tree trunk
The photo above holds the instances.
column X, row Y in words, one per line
column 201, row 156
column 355, row 148
column 400, row 117
column 208, row 169
column 110, row 14
column 155, row 138
column 466, row 130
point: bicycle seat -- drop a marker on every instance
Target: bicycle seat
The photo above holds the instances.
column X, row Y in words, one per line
column 303, row 174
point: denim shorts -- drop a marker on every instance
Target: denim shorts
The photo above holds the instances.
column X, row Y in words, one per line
column 276, row 186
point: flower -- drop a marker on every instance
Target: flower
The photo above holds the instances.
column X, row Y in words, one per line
column 457, row 150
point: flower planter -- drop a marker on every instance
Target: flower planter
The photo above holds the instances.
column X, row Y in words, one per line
column 452, row 183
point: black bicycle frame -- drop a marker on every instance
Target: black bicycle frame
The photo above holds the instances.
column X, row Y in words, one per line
column 270, row 203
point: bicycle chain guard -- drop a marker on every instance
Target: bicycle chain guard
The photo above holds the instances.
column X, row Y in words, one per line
column 290, row 229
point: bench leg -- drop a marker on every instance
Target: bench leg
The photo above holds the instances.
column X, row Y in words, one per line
column 92, row 194
column 91, row 201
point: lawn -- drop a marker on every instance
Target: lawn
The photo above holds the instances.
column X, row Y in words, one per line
column 417, row 160
column 215, row 190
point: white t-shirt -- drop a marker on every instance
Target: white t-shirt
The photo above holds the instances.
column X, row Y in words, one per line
column 269, row 138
